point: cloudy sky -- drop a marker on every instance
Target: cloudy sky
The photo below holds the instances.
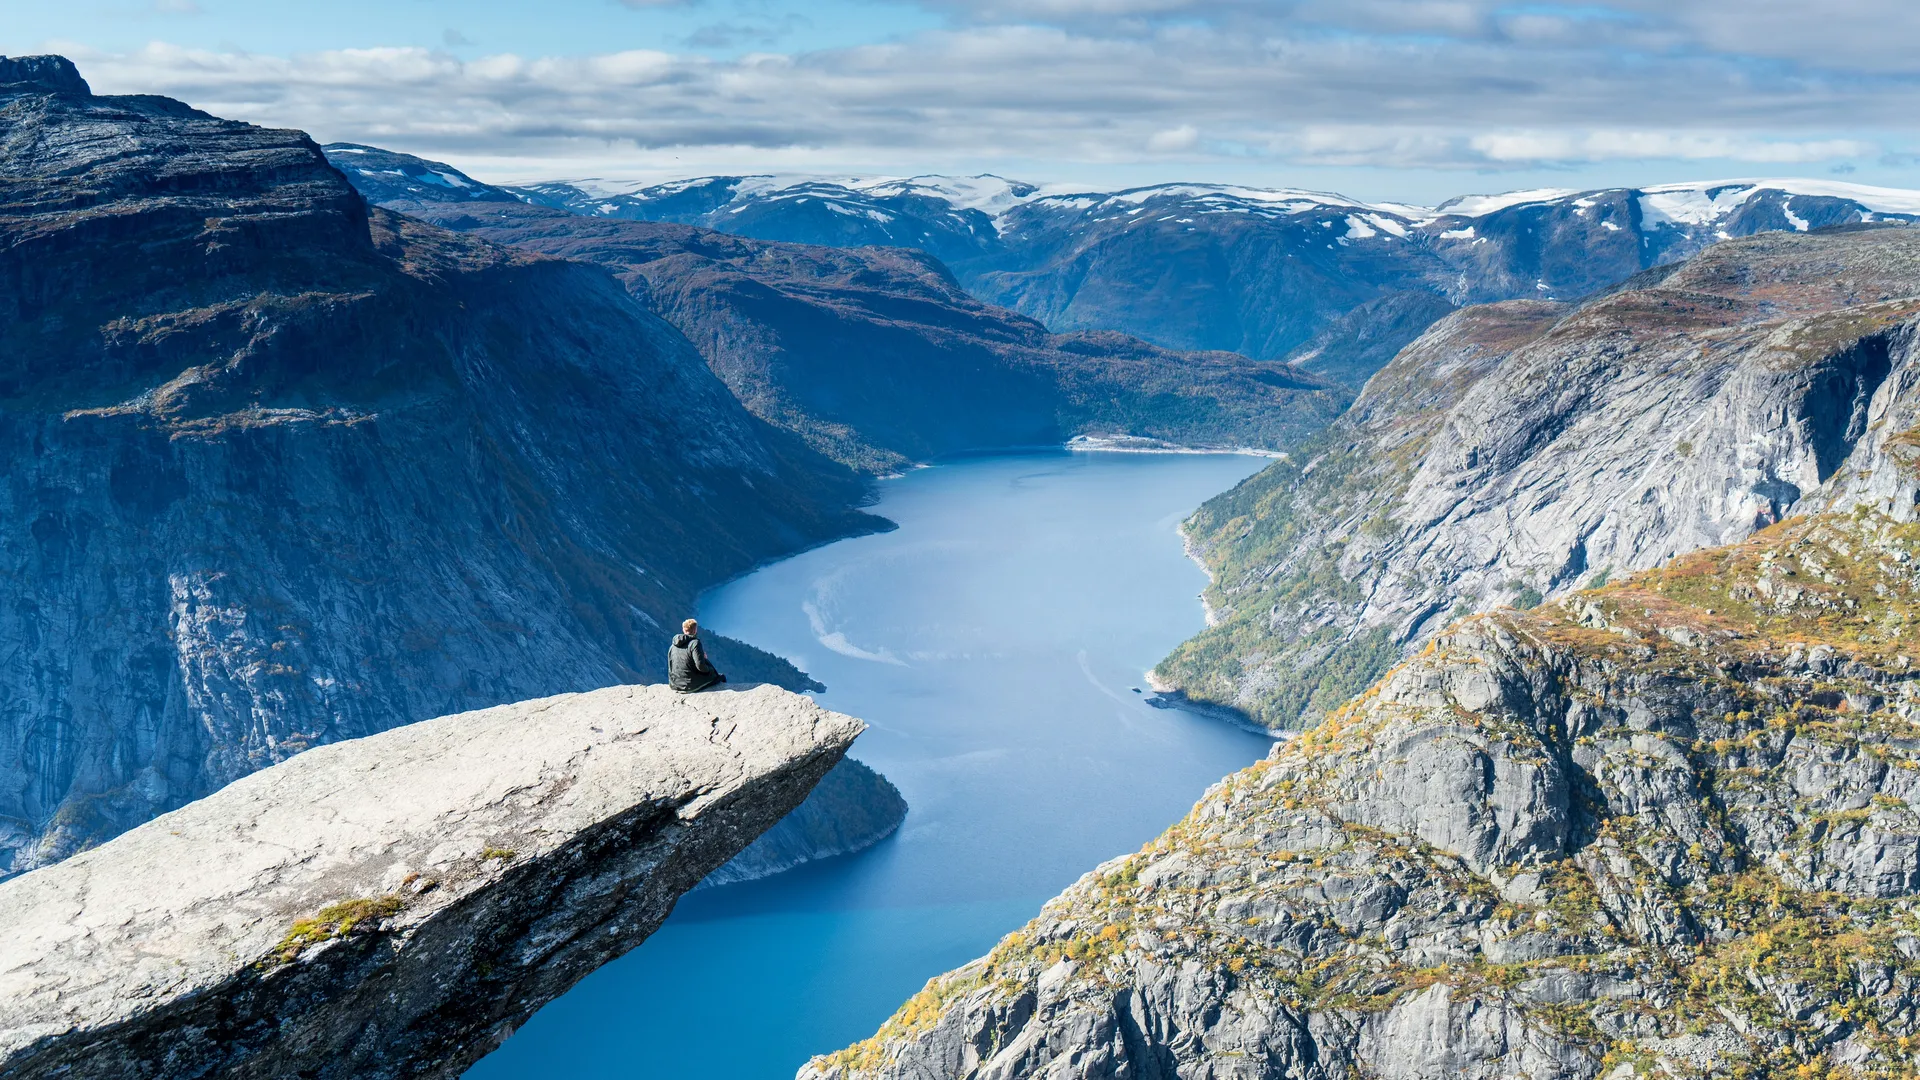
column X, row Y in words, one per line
column 1413, row 100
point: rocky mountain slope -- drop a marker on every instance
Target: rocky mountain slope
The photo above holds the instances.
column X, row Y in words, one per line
column 1266, row 272
column 1523, row 449
column 1271, row 273
column 395, row 906
column 1662, row 828
column 282, row 470
column 876, row 356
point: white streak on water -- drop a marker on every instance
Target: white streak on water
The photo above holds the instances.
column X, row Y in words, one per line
column 838, row 642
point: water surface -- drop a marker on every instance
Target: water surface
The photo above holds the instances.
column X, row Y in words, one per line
column 995, row 643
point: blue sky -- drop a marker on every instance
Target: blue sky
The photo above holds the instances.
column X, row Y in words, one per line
column 467, row 28
column 1413, row 100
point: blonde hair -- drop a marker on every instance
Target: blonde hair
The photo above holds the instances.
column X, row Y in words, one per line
column 689, row 626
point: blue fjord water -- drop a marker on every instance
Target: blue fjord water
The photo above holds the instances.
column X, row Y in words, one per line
column 994, row 644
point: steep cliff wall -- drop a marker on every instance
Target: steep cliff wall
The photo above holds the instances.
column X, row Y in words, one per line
column 1662, row 828
column 1525, row 449
column 395, row 906
column 283, row 471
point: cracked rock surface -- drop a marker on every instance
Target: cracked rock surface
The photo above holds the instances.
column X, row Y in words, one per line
column 394, row 906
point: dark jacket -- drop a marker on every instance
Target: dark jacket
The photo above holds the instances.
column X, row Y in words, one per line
column 688, row 668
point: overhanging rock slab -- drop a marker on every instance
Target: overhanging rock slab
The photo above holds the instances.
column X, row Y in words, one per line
column 395, row 906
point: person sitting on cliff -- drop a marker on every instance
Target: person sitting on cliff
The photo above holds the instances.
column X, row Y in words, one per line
column 688, row 668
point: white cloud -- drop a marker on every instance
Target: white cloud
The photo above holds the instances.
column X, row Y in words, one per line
column 1433, row 84
column 1659, row 145
column 1174, row 140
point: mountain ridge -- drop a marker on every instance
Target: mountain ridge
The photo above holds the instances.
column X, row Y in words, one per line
column 1270, row 273
column 1661, row 828
column 876, row 356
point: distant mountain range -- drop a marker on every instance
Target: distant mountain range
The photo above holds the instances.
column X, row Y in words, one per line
column 1337, row 285
column 876, row 356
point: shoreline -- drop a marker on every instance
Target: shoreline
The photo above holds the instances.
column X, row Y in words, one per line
column 1187, row 549
column 1134, row 444
column 1170, row 695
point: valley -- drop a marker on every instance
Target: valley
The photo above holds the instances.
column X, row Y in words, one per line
column 876, row 356
column 993, row 644
column 1537, row 569
column 306, row 470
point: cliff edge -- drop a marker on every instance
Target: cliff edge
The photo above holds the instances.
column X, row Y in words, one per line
column 394, row 906
column 850, row 810
column 285, row 471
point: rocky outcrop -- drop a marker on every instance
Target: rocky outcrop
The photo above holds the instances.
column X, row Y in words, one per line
column 1662, row 828
column 283, row 470
column 395, row 906
column 1521, row 450
column 877, row 357
column 850, row 810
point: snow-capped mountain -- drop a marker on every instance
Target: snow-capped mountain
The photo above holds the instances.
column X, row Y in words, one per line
column 1340, row 284
column 1335, row 283
column 947, row 216
column 385, row 175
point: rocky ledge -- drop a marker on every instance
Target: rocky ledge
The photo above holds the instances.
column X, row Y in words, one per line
column 1662, row 828
column 394, row 906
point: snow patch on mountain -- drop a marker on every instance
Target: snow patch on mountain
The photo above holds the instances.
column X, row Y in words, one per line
column 1233, row 197
column 991, row 195
column 1704, row 203
column 1482, row 205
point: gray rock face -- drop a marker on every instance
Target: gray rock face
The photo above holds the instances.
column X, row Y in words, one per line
column 395, row 905
column 41, row 74
column 851, row 809
column 1665, row 828
column 302, row 471
column 1519, row 451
